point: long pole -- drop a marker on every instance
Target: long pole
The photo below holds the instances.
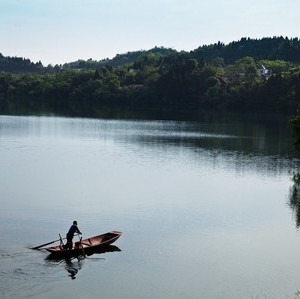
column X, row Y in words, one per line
column 39, row 246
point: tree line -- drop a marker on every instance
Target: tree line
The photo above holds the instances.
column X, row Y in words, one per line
column 217, row 76
column 269, row 48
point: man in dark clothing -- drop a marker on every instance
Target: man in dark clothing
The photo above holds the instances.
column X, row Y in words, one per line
column 70, row 234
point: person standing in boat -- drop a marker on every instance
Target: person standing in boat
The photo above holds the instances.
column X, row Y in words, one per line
column 70, row 234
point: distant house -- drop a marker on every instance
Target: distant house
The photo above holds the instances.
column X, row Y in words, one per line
column 264, row 73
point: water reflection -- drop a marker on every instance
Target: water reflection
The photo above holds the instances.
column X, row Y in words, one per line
column 73, row 268
column 294, row 198
column 238, row 142
column 221, row 186
column 74, row 264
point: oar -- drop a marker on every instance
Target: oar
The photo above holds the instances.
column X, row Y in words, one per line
column 38, row 247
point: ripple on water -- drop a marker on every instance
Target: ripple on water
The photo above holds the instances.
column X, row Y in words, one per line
column 24, row 273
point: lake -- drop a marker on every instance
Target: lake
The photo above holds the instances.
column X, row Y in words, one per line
column 205, row 207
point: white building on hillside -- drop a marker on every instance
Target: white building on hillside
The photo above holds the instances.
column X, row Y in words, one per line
column 263, row 72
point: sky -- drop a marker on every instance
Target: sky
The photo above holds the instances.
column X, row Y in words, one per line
column 61, row 31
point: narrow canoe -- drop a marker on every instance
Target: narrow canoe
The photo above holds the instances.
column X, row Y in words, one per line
column 85, row 246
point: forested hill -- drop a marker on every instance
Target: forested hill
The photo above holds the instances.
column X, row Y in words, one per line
column 257, row 75
column 120, row 59
column 275, row 48
column 19, row 65
column 24, row 65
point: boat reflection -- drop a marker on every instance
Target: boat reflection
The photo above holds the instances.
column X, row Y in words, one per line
column 74, row 264
column 96, row 250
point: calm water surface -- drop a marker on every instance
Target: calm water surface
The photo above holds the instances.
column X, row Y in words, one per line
column 204, row 207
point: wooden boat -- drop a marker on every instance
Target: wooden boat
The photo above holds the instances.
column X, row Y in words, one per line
column 85, row 246
column 97, row 250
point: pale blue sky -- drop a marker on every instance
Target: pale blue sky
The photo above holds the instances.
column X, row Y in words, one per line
column 62, row 31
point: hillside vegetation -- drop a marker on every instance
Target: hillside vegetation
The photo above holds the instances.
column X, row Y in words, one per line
column 250, row 74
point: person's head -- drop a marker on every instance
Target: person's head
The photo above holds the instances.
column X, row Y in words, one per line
column 75, row 222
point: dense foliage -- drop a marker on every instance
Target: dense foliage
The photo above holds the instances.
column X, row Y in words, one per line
column 276, row 48
column 216, row 76
column 19, row 65
column 295, row 125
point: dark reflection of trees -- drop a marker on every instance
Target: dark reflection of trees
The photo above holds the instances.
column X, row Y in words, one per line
column 294, row 198
column 74, row 264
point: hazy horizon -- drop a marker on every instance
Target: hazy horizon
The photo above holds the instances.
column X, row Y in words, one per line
column 57, row 32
